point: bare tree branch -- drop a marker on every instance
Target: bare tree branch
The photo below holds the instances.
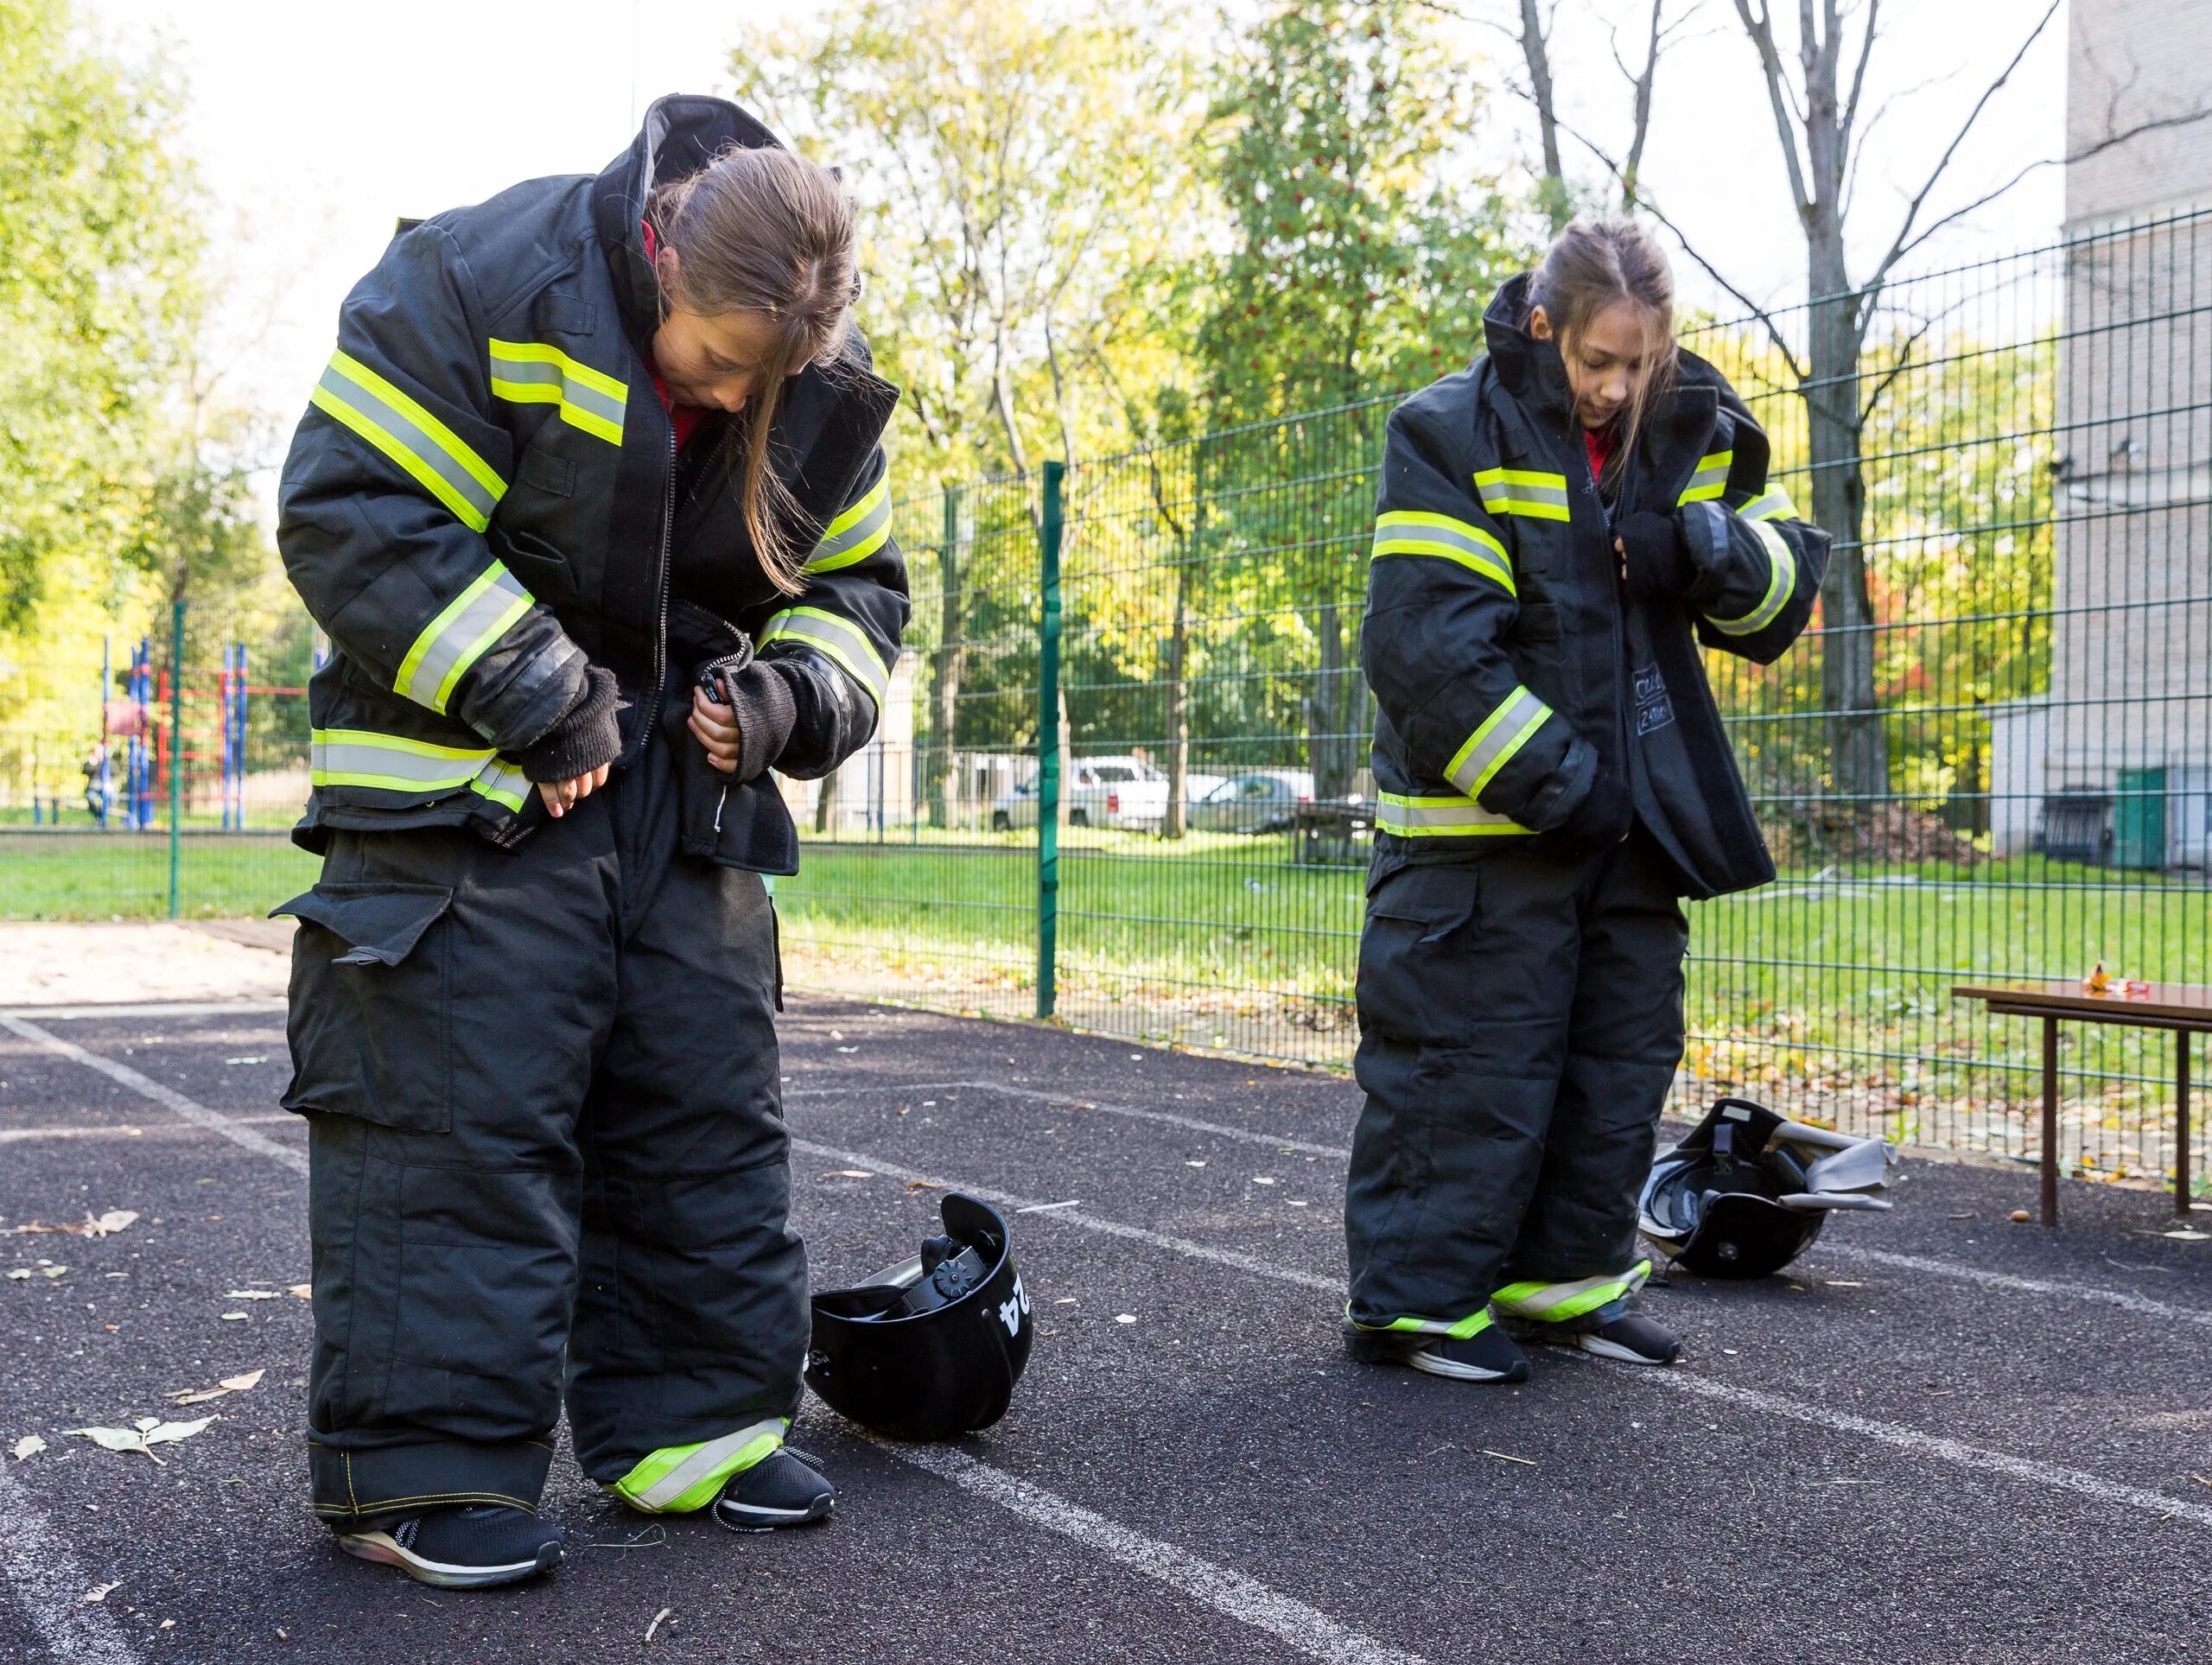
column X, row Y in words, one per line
column 1760, row 27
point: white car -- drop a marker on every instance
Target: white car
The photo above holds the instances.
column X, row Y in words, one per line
column 1107, row 792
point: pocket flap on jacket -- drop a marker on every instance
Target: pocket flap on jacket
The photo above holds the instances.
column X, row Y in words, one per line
column 1439, row 900
column 378, row 924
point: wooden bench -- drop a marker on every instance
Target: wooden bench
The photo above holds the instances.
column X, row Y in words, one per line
column 2182, row 1008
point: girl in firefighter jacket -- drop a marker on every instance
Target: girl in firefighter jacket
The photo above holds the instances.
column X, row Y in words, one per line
column 1559, row 529
column 591, row 503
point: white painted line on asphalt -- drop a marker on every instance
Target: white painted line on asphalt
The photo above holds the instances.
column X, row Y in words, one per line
column 1950, row 1451
column 1912, row 1439
column 146, row 1087
column 2142, row 1305
column 49, row 1586
column 1246, row 1600
column 155, row 1009
column 2008, row 1280
column 1183, row 1246
column 16, row 1135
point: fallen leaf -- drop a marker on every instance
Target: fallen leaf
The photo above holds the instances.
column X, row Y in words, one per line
column 194, row 1395
column 29, row 1445
column 99, row 1592
column 238, row 1384
column 2186, row 1235
column 170, row 1434
column 1525, row 1462
column 1261, row 1179
column 169, row 1624
column 230, row 1317
column 109, row 1224
column 54, row 1271
column 117, row 1440
column 2018, row 1217
column 1125, row 1317
column 304, row 1291
column 20, row 1271
column 249, row 1294
column 848, row 1173
column 914, row 1185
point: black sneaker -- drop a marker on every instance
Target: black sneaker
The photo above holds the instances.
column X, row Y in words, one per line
column 1632, row 1338
column 783, row 1488
column 1489, row 1355
column 462, row 1548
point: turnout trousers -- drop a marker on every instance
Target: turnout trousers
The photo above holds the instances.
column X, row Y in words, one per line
column 545, row 1141
column 1521, row 1019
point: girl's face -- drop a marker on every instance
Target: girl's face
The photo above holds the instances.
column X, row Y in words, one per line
column 1609, row 362
column 713, row 361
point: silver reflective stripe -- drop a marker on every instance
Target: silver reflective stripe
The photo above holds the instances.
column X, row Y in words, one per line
column 502, row 783
column 567, row 388
column 1567, row 1300
column 1523, row 491
column 1493, row 745
column 356, row 757
column 1782, row 578
column 1773, row 503
column 702, row 1462
column 1711, row 478
column 460, row 636
column 842, row 641
column 1439, row 817
column 857, row 533
column 462, row 492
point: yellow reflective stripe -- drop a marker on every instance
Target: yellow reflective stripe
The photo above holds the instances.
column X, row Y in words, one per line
column 1439, row 817
column 856, row 534
column 1554, row 1303
column 394, row 763
column 1524, row 492
column 1491, row 746
column 676, row 1479
column 437, row 458
column 458, row 637
column 538, row 372
column 1773, row 504
column 1710, row 480
column 839, row 638
column 1782, row 569
column 1411, row 531
column 1473, row 1324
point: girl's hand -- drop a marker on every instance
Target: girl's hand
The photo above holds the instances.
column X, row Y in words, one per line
column 560, row 795
column 714, row 727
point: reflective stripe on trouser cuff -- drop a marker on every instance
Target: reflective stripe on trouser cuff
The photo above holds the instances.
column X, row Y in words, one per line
column 391, row 763
column 1473, row 1324
column 1406, row 532
column 458, row 637
column 1440, row 817
column 1773, row 504
column 1491, row 746
column 1522, row 492
column 1782, row 578
column 536, row 373
column 856, row 534
column 844, row 641
column 439, row 460
column 1711, row 478
column 1554, row 1303
column 676, row 1479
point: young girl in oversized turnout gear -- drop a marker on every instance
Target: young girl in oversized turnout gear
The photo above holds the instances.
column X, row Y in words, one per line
column 591, row 503
column 1560, row 528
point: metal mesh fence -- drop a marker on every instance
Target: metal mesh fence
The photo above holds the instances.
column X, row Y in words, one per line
column 1120, row 775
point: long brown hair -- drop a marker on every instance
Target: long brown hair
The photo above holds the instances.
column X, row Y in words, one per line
column 764, row 231
column 1598, row 263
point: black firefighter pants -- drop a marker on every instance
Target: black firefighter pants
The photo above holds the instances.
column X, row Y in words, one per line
column 1520, row 1021
column 545, row 1131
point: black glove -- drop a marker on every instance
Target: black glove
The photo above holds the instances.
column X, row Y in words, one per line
column 587, row 734
column 1600, row 821
column 1655, row 556
column 762, row 705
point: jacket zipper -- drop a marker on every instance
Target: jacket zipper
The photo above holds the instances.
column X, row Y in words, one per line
column 660, row 625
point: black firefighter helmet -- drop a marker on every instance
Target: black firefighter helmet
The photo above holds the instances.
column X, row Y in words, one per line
column 1747, row 1191
column 930, row 1348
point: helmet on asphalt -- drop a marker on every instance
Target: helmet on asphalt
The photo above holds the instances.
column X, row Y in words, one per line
column 1748, row 1191
column 930, row 1348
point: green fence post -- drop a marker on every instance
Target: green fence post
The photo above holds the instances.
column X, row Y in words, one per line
column 1048, row 741
column 176, row 744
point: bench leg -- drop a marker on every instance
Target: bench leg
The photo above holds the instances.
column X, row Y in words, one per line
column 2051, row 1120
column 2181, row 1121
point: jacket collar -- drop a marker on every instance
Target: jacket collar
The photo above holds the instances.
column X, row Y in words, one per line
column 1531, row 371
column 682, row 133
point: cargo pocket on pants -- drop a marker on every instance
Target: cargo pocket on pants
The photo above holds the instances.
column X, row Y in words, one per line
column 371, row 989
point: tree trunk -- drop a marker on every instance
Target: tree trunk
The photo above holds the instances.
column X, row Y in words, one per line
column 1858, row 759
column 949, row 665
column 1331, row 744
column 825, row 802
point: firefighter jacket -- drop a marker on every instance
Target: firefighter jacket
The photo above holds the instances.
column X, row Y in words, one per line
column 1512, row 671
column 485, row 496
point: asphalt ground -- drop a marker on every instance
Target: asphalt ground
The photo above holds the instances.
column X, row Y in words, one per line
column 1941, row 1436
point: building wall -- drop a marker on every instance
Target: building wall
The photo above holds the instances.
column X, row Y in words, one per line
column 2130, row 61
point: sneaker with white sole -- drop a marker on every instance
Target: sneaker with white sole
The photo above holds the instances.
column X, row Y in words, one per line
column 1487, row 1355
column 464, row 1548
column 1632, row 1338
column 783, row 1488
